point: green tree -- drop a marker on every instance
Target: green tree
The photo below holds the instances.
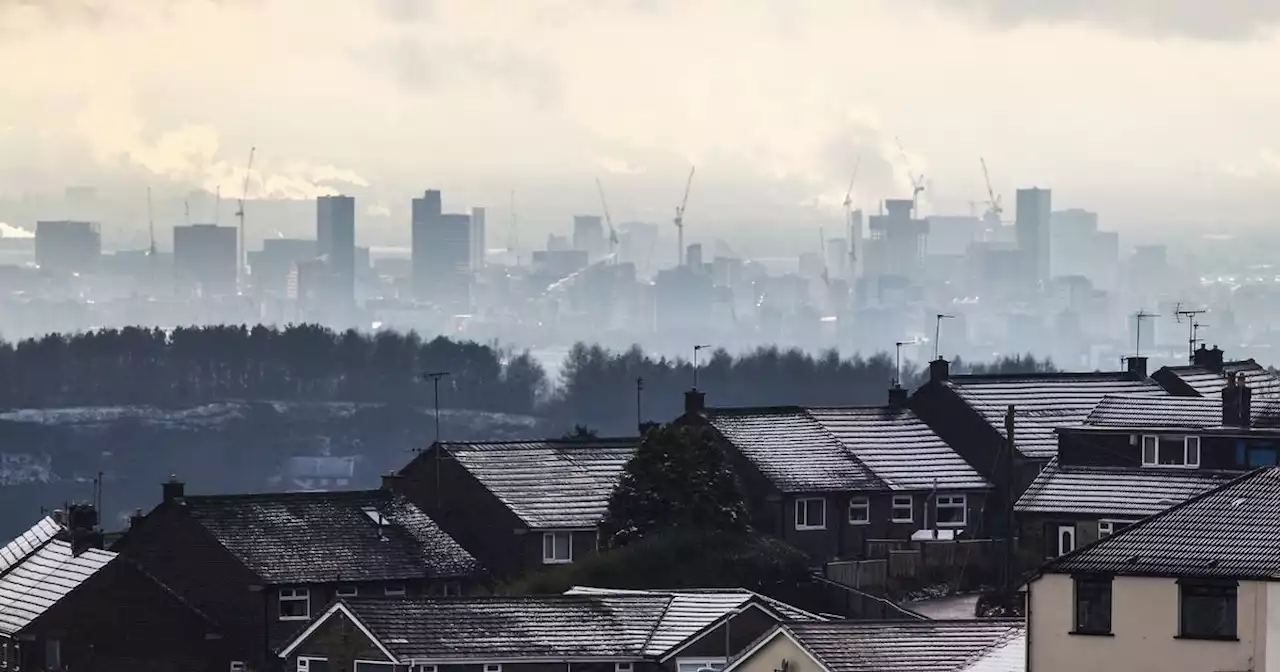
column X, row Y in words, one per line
column 679, row 478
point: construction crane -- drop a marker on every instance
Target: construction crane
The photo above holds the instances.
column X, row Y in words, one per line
column 679, row 220
column 848, row 216
column 151, row 227
column 917, row 183
column 244, row 195
column 994, row 208
column 613, row 234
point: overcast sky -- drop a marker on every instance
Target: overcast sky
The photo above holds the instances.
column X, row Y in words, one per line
column 1155, row 112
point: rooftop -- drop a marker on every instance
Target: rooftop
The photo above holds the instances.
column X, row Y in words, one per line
column 1232, row 531
column 549, row 484
column 37, row 571
column 1207, row 381
column 823, row 449
column 1043, row 402
column 1134, row 492
column 919, row 646
column 322, row 537
column 1169, row 412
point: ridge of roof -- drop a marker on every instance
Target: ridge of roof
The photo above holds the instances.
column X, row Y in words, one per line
column 1043, row 375
column 558, row 441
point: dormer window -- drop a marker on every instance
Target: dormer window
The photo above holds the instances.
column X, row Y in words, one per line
column 1170, row 451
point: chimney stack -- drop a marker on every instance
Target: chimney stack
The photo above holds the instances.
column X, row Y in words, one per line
column 390, row 481
column 939, row 370
column 1211, row 359
column 695, row 401
column 136, row 518
column 82, row 528
column 1236, row 403
column 173, row 490
column 898, row 397
column 1138, row 367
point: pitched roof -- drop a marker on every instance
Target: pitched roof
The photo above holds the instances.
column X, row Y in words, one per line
column 1232, row 531
column 918, row 646
column 1135, row 492
column 1172, row 412
column 602, row 624
column 844, row 448
column 321, row 537
column 549, row 484
column 1042, row 402
column 1207, row 382
column 39, row 571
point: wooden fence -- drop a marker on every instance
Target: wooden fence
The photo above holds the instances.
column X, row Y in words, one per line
column 890, row 561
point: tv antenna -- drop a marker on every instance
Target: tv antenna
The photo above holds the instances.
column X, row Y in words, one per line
column 1193, row 328
column 897, row 360
column 1138, row 317
column 696, row 349
column 937, row 331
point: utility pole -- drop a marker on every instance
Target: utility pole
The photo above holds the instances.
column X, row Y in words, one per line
column 937, row 333
column 435, row 377
column 696, row 349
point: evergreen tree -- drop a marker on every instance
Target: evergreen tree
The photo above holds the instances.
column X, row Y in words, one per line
column 678, row 478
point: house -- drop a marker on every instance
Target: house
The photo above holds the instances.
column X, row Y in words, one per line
column 1207, row 375
column 829, row 480
column 588, row 629
column 989, row 645
column 1136, row 455
column 1191, row 588
column 265, row 565
column 67, row 604
column 969, row 413
column 312, row 473
column 519, row 505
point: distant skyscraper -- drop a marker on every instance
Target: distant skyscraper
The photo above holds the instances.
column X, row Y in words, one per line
column 588, row 235
column 1034, row 210
column 441, row 254
column 897, row 243
column 336, row 243
column 204, row 259
column 70, row 247
column 477, row 239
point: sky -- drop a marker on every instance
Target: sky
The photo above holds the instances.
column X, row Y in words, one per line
column 1157, row 113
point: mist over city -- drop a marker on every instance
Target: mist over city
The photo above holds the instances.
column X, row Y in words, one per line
column 869, row 313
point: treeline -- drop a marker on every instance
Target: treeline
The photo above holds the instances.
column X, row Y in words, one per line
column 597, row 387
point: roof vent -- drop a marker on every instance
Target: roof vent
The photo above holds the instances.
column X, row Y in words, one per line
column 1237, row 502
column 1133, row 559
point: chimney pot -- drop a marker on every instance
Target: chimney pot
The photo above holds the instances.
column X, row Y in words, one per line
column 695, row 401
column 939, row 370
column 172, row 490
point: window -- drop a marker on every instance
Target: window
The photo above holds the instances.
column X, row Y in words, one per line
column 394, row 590
column 950, row 510
column 811, row 514
column 1093, row 605
column 623, row 667
column 452, row 589
column 423, row 668
column 1207, row 610
column 348, row 591
column 557, row 547
column 492, row 667
column 1107, row 528
column 374, row 666
column 295, row 604
column 1066, row 539
column 310, row 664
column 859, row 511
column 695, row 664
column 903, row 509
column 1170, row 451
column 52, row 654
column 238, row 666
column 1254, row 455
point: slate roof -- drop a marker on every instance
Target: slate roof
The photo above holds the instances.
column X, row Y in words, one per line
column 1230, row 532
column 627, row 625
column 38, row 571
column 1170, row 412
column 915, row 646
column 1207, row 382
column 1133, row 492
column 825, row 449
column 322, row 537
column 553, row 484
column 1043, row 402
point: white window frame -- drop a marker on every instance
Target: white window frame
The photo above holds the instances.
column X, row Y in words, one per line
column 694, row 664
column 348, row 591
column 550, row 538
column 804, row 522
column 304, row 662
column 952, row 502
column 1190, row 448
column 394, row 590
column 624, row 667
column 1058, row 539
column 302, row 595
column 423, row 668
column 493, row 667
column 862, row 504
column 1109, row 524
column 897, row 503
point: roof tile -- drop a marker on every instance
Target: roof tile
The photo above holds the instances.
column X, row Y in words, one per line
column 917, row 646
column 41, row 579
column 1116, row 491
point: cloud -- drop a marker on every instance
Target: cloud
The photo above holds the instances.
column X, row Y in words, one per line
column 8, row 231
column 1198, row 19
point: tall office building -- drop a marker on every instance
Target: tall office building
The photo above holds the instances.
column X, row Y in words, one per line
column 441, row 254
column 204, row 259
column 70, row 247
column 477, row 239
column 1032, row 223
column 336, row 244
column 588, row 235
column 897, row 243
